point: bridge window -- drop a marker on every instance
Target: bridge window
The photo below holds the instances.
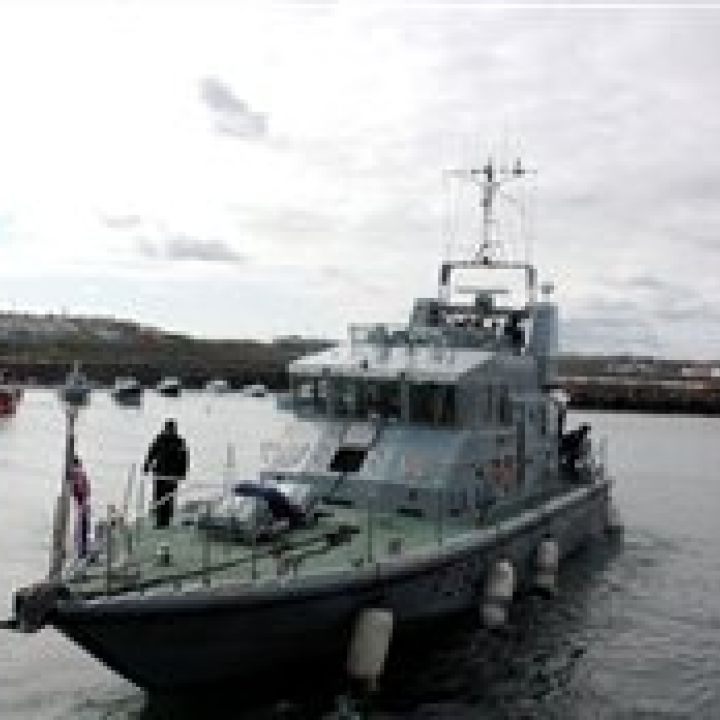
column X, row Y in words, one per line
column 432, row 404
column 344, row 398
column 383, row 399
column 309, row 392
column 504, row 406
column 360, row 398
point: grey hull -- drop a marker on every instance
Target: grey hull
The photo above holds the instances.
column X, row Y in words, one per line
column 174, row 641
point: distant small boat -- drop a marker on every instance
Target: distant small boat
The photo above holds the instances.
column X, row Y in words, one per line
column 218, row 386
column 255, row 390
column 127, row 391
column 76, row 389
column 10, row 395
column 170, row 387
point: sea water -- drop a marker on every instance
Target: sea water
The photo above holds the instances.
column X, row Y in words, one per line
column 633, row 633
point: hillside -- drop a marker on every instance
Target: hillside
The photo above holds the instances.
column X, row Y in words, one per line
column 43, row 348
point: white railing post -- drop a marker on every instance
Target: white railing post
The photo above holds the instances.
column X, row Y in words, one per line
column 129, row 489
column 369, row 496
column 229, row 474
column 140, row 506
column 441, row 506
column 61, row 517
column 206, row 546
column 110, row 516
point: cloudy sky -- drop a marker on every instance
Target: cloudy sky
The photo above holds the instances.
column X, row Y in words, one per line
column 250, row 170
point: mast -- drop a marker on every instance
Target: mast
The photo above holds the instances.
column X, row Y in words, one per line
column 491, row 180
column 489, row 188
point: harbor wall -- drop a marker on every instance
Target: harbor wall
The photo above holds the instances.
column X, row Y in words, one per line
column 643, row 395
column 613, row 383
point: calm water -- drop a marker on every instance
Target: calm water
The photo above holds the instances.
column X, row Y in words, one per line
column 635, row 631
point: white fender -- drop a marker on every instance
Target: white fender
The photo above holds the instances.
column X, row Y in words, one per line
column 369, row 645
column 547, row 562
column 499, row 591
column 493, row 616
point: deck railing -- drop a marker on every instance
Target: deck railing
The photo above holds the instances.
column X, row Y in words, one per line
column 131, row 554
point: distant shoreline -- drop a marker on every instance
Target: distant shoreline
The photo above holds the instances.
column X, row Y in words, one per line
column 645, row 395
column 598, row 393
column 42, row 350
column 656, row 408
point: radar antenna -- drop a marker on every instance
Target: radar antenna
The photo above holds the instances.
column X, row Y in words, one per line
column 492, row 179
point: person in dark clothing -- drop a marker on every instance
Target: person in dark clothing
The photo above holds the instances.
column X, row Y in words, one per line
column 574, row 447
column 168, row 459
column 514, row 332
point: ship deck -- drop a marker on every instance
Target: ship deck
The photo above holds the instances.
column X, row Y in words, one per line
column 338, row 540
column 341, row 538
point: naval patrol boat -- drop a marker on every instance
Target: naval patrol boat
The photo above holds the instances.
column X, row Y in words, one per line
column 427, row 474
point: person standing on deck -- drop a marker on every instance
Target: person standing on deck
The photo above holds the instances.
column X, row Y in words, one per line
column 168, row 459
column 81, row 494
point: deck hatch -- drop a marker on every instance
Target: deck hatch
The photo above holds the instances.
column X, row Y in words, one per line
column 348, row 459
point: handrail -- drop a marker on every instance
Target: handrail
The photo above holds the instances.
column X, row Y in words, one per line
column 427, row 472
column 205, row 566
column 132, row 472
column 203, row 570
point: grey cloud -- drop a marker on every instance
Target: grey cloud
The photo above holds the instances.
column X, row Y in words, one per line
column 291, row 221
column 349, row 279
column 147, row 248
column 645, row 313
column 698, row 184
column 121, row 222
column 688, row 311
column 650, row 282
column 611, row 307
column 645, row 282
column 186, row 247
column 608, row 335
column 580, row 199
column 5, row 225
column 233, row 115
column 667, row 301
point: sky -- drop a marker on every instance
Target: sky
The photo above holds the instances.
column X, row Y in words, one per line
column 249, row 170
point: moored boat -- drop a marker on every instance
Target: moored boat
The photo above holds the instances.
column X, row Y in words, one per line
column 10, row 395
column 426, row 472
column 169, row 387
column 255, row 390
column 218, row 386
column 76, row 389
column 127, row 391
